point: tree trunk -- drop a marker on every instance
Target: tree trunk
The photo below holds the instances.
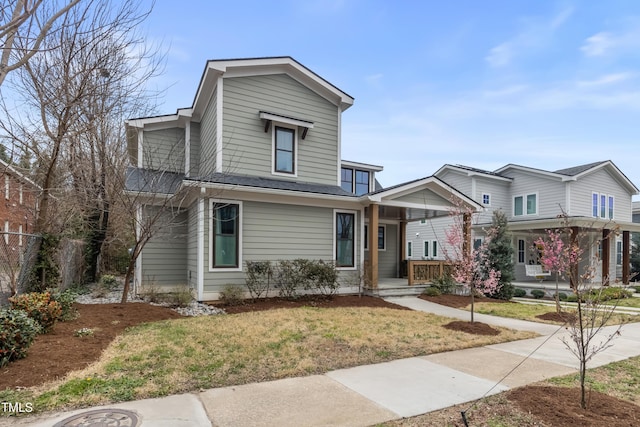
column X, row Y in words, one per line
column 472, row 300
column 558, row 308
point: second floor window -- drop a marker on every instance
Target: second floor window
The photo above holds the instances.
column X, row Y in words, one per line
column 355, row 181
column 602, row 206
column 525, row 205
column 285, row 150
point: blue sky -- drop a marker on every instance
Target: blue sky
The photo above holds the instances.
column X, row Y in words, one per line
column 546, row 84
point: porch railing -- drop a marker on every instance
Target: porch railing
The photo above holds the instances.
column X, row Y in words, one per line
column 422, row 272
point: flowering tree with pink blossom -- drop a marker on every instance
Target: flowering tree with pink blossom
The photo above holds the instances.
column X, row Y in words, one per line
column 557, row 256
column 470, row 266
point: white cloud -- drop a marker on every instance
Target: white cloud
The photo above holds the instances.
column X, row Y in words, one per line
column 598, row 44
column 606, row 43
column 535, row 34
column 500, row 55
column 606, row 80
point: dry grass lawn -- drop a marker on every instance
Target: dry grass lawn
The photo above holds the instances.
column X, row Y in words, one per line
column 190, row 354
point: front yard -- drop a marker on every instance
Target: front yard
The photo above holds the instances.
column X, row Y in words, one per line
column 190, row 354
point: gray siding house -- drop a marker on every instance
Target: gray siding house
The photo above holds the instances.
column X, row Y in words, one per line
column 596, row 197
column 252, row 171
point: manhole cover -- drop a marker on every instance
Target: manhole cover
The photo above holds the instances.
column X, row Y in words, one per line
column 101, row 418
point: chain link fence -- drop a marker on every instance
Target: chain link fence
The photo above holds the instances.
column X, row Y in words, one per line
column 18, row 255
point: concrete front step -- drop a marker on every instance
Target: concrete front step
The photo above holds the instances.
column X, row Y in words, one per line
column 398, row 291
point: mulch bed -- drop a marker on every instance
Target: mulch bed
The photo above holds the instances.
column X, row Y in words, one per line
column 562, row 317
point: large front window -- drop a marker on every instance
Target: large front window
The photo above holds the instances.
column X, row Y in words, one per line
column 345, row 248
column 226, row 231
column 285, row 150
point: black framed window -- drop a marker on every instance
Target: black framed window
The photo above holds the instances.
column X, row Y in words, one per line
column 285, row 150
column 346, row 181
column 362, row 183
column 225, row 235
column 345, row 232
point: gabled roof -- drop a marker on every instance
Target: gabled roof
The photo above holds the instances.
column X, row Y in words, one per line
column 262, row 66
column 432, row 183
column 470, row 171
column 4, row 166
column 576, row 172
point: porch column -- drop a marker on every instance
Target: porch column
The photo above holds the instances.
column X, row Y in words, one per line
column 606, row 254
column 402, row 229
column 466, row 233
column 373, row 245
column 626, row 248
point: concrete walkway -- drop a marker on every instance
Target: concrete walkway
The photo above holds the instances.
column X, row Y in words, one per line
column 372, row 394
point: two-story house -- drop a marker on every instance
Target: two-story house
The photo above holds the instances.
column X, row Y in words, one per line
column 18, row 203
column 257, row 163
column 595, row 198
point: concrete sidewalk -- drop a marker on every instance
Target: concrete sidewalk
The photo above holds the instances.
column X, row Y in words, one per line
column 372, row 394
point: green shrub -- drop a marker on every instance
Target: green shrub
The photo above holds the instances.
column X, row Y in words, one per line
column 445, row 283
column 519, row 293
column 607, row 294
column 562, row 296
column 39, row 306
column 322, row 277
column 537, row 293
column 432, row 291
column 637, row 288
column 572, row 298
column 17, row 332
column 258, row 275
column 108, row 281
column 292, row 276
column 66, row 299
column 232, row 294
column 504, row 292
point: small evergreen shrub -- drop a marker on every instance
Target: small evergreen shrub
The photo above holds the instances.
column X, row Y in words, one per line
column 17, row 332
column 445, row 283
column 322, row 277
column 291, row 276
column 432, row 291
column 232, row 294
column 606, row 294
column 537, row 293
column 108, row 281
column 504, row 292
column 66, row 299
column 572, row 298
column 637, row 289
column 258, row 276
column 519, row 293
column 562, row 296
column 39, row 306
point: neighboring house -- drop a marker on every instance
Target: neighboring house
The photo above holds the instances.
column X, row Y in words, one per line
column 256, row 162
column 18, row 203
column 595, row 197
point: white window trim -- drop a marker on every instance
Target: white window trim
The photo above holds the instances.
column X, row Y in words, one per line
column 211, row 233
column 435, row 256
column 6, row 187
column 384, row 242
column 607, row 211
column 619, row 248
column 275, row 125
column 20, row 194
column 524, row 204
column 482, row 199
column 430, row 244
column 6, row 230
column 355, row 239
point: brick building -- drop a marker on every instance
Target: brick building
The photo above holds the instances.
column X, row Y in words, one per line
column 18, row 201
